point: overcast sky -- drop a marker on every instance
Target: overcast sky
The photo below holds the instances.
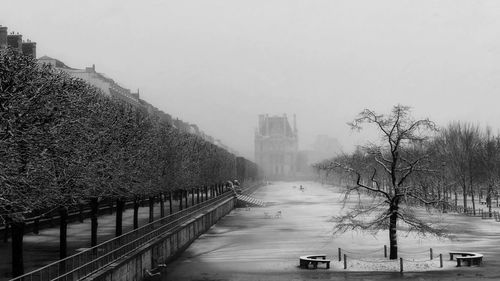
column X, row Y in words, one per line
column 219, row 64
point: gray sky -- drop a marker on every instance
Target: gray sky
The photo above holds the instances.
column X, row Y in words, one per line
column 219, row 64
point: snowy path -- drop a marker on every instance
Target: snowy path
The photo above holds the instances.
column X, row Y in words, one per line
column 247, row 245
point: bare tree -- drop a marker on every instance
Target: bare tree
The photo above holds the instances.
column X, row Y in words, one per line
column 385, row 170
column 461, row 142
column 489, row 163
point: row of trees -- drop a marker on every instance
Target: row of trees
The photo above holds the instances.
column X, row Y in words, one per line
column 414, row 163
column 63, row 143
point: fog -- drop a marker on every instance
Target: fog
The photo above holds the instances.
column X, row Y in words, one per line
column 219, row 64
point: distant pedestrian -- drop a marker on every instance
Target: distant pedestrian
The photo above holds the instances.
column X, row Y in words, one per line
column 278, row 214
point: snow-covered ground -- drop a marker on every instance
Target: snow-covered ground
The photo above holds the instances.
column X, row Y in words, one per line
column 255, row 245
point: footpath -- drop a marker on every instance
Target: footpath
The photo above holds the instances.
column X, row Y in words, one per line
column 43, row 248
column 248, row 244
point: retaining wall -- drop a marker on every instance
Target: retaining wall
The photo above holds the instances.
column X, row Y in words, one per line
column 166, row 248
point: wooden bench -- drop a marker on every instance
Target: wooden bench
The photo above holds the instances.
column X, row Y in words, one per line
column 468, row 257
column 154, row 274
column 305, row 261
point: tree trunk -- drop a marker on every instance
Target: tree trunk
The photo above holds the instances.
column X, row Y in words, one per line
column 63, row 232
column 110, row 203
column 170, row 202
column 136, row 211
column 162, row 205
column 192, row 196
column 393, row 238
column 94, row 213
column 185, row 192
column 17, row 228
column 120, row 205
column 464, row 190
column 80, row 212
column 472, row 198
column 198, row 195
column 151, row 208
column 179, row 196
column 36, row 226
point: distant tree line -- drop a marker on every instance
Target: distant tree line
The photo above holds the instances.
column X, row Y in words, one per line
column 415, row 164
column 64, row 144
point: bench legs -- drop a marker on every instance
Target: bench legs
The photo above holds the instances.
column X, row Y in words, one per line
column 470, row 262
column 305, row 264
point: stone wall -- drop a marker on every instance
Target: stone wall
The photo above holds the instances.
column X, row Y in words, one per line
column 133, row 267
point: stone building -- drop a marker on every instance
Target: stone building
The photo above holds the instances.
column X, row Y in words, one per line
column 276, row 147
column 107, row 85
column 15, row 41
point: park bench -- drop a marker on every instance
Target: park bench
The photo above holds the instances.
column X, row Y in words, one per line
column 305, row 261
column 155, row 273
column 468, row 257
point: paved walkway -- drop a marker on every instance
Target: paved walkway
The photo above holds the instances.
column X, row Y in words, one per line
column 42, row 249
column 254, row 245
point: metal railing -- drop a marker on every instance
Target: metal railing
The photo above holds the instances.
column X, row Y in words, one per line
column 91, row 260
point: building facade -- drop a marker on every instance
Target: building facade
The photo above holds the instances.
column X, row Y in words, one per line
column 107, row 85
column 276, row 147
column 15, row 42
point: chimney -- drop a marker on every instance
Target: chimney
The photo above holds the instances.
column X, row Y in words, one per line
column 3, row 37
column 29, row 49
